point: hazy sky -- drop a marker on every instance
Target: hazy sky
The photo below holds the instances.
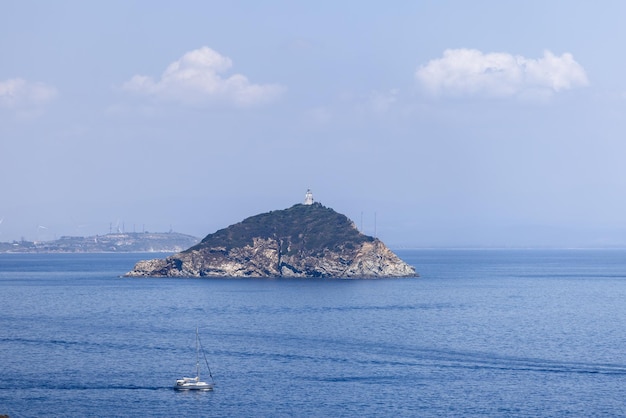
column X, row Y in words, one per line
column 435, row 123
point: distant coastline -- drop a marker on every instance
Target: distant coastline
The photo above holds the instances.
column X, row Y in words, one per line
column 163, row 242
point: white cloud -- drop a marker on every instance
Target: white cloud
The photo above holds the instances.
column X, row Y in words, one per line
column 469, row 72
column 19, row 94
column 195, row 78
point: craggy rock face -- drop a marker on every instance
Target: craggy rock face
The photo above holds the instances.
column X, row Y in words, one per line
column 296, row 242
column 263, row 259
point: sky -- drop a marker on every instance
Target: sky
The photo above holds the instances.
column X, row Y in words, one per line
column 428, row 123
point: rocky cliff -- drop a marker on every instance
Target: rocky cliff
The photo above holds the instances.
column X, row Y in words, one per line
column 301, row 241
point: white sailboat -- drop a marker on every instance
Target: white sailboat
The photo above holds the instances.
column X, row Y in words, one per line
column 194, row 383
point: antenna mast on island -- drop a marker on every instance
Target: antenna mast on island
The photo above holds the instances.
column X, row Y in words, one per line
column 375, row 231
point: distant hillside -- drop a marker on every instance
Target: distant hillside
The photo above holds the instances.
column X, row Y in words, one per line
column 169, row 242
column 301, row 241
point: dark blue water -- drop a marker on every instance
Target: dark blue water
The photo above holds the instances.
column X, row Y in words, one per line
column 481, row 333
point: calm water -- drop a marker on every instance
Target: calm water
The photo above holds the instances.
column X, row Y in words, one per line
column 481, row 333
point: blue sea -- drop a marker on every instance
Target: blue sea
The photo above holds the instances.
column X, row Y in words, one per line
column 494, row 333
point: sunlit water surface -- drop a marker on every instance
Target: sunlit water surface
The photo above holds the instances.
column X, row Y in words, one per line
column 480, row 333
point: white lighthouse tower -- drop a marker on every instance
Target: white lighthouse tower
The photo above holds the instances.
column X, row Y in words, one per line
column 308, row 198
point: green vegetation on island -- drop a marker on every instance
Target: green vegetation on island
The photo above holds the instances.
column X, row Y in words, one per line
column 311, row 229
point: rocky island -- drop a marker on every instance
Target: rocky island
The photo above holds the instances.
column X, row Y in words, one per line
column 306, row 240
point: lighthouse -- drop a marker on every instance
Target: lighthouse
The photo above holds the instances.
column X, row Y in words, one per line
column 308, row 198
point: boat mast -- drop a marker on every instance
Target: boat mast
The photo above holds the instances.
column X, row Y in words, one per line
column 205, row 359
column 197, row 355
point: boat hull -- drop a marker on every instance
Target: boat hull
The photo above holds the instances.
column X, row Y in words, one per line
column 192, row 384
